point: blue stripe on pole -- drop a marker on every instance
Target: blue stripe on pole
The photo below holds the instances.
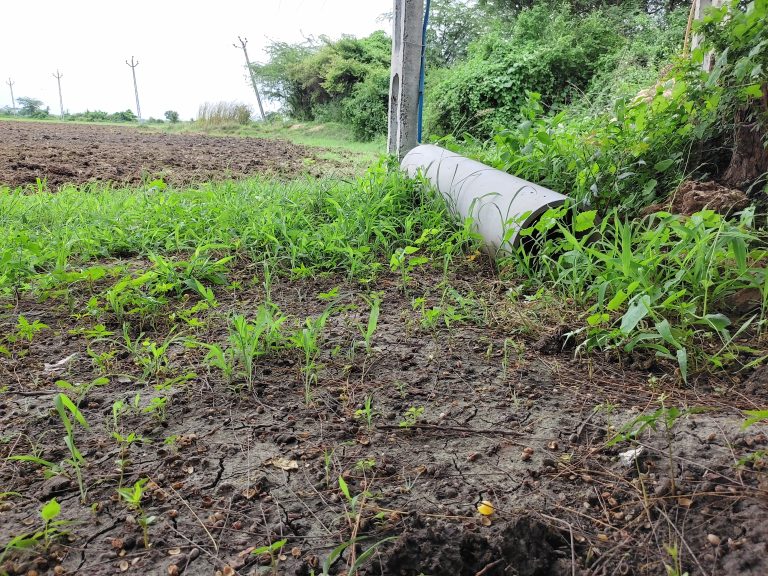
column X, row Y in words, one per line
column 423, row 69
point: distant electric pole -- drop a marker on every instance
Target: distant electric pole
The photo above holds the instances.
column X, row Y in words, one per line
column 13, row 100
column 58, row 76
column 133, row 65
column 243, row 42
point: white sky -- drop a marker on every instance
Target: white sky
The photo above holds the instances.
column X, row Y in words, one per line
column 184, row 49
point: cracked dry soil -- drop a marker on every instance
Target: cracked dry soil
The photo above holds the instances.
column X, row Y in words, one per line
column 231, row 470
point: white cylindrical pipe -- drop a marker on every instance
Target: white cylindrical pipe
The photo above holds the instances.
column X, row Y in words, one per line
column 498, row 203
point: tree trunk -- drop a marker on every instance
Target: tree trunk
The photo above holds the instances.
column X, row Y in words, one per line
column 749, row 161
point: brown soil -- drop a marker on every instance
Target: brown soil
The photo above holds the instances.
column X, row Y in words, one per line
column 232, row 469
column 60, row 153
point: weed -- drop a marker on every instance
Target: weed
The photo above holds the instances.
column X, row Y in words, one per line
column 99, row 331
column 366, row 413
column 652, row 284
column 754, row 416
column 150, row 356
column 26, row 331
column 359, row 560
column 327, row 460
column 365, row 465
column 65, row 408
column 411, row 417
column 306, row 340
column 51, row 530
column 251, row 339
column 374, row 302
column 80, row 391
column 676, row 568
column 157, row 407
column 132, row 496
column 273, row 550
column 102, row 361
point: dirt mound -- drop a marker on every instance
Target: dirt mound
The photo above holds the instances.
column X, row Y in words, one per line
column 523, row 546
column 60, row 153
column 692, row 197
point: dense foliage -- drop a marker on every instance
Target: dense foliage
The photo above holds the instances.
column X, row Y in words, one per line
column 345, row 80
column 636, row 150
column 554, row 52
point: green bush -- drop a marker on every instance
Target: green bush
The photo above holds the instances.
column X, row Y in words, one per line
column 658, row 284
column 639, row 149
column 551, row 51
column 345, row 80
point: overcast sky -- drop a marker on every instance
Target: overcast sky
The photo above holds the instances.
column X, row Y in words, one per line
column 184, row 49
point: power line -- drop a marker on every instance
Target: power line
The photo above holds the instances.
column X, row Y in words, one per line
column 133, row 65
column 58, row 77
column 243, row 42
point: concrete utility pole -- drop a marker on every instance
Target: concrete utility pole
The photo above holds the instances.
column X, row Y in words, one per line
column 243, row 42
column 698, row 9
column 58, row 76
column 13, row 100
column 402, row 132
column 133, row 65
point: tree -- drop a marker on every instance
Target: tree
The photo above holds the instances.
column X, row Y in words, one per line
column 453, row 25
column 172, row 116
column 31, row 107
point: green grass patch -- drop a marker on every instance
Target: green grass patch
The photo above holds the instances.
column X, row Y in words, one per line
column 302, row 227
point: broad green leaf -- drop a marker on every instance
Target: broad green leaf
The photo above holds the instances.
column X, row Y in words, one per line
column 544, row 138
column 718, row 322
column 635, row 314
column 584, row 220
column 665, row 329
column 755, row 416
column 50, row 510
column 663, row 165
column 753, row 91
column 344, row 488
column 617, row 301
column 649, row 187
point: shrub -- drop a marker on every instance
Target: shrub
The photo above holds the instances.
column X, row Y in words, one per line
column 551, row 51
column 125, row 116
column 345, row 80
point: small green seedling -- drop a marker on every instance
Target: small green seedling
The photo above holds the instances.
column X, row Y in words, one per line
column 66, row 408
column 366, row 413
column 411, row 417
column 49, row 532
column 80, row 390
column 373, row 320
column 132, row 495
column 359, row 560
column 26, row 330
column 273, row 550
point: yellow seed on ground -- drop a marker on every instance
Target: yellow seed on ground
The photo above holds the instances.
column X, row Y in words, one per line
column 485, row 508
